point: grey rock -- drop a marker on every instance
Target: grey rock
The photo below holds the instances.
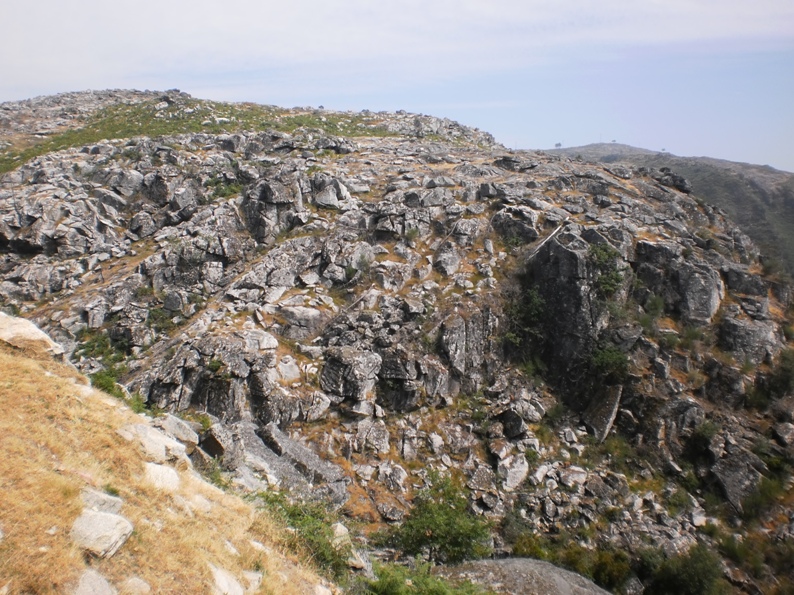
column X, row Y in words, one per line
column 162, row 477
column 302, row 322
column 156, row 446
column 100, row 501
column 374, row 435
column 522, row 576
column 752, row 341
column 178, row 429
column 93, row 583
column 601, row 413
column 447, row 259
column 738, row 475
column 350, row 372
column 513, row 470
column 784, row 433
column 224, row 582
column 305, row 460
column 573, row 476
column 100, row 533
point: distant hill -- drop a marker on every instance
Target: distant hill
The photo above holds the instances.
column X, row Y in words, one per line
column 758, row 197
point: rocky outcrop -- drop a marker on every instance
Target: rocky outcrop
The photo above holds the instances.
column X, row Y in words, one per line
column 523, row 576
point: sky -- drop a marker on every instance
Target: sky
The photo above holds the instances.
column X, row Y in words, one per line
column 694, row 77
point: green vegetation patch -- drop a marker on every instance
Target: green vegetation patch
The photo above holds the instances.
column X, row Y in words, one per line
column 309, row 532
column 395, row 579
column 604, row 259
column 441, row 526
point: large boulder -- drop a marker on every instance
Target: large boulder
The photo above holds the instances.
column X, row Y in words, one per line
column 100, row 534
column 350, row 373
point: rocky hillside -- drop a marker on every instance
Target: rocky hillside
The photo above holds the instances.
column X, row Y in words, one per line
column 758, row 197
column 360, row 302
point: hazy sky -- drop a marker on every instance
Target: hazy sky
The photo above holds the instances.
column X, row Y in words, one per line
column 696, row 77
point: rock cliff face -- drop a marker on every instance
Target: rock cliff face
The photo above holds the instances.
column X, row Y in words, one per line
column 352, row 311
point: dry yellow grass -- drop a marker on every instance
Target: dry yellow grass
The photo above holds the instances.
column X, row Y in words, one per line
column 58, row 437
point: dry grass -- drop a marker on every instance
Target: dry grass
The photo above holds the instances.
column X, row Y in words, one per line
column 57, row 437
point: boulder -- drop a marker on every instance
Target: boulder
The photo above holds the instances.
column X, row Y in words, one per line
column 162, row 477
column 752, row 341
column 101, row 534
column 93, row 583
column 224, row 582
column 100, row 501
column 522, row 575
column 156, row 446
column 350, row 372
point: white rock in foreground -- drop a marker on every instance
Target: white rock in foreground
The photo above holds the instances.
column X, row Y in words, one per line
column 93, row 583
column 18, row 331
column 100, row 533
column 225, row 583
column 162, row 477
column 157, row 447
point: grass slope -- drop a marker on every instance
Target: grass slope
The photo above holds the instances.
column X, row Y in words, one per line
column 57, row 436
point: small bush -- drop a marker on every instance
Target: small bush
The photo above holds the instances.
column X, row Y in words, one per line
column 699, row 442
column 527, row 545
column 782, row 381
column 654, row 307
column 161, row 320
column 610, row 365
column 312, row 535
column 394, row 579
column 767, row 493
column 411, row 234
column 525, row 313
column 137, row 403
column 441, row 526
column 105, row 380
column 694, row 573
column 604, row 259
column 611, row 568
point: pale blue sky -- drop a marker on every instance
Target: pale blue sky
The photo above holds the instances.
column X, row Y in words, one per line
column 696, row 77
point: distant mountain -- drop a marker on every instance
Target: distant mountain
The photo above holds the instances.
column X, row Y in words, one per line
column 759, row 198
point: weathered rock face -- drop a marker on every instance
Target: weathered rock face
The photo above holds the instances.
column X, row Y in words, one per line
column 520, row 576
column 319, row 295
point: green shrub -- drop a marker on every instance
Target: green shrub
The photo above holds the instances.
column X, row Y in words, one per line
column 694, row 573
column 441, row 526
column 767, row 493
column 394, row 579
column 137, row 403
column 311, row 533
column 654, row 306
column 527, row 545
column 669, row 341
column 604, row 259
column 161, row 320
column 610, row 365
column 700, row 440
column 525, row 312
column 743, row 554
column 611, row 568
column 411, row 234
column 105, row 380
column 782, row 379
